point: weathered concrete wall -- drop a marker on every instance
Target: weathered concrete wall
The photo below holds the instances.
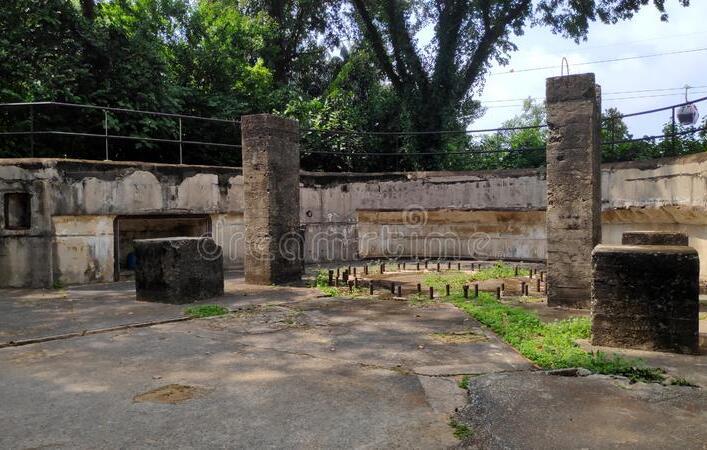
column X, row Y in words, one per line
column 74, row 204
column 668, row 194
column 348, row 216
column 452, row 233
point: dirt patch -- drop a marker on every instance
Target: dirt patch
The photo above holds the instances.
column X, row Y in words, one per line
column 459, row 337
column 171, row 393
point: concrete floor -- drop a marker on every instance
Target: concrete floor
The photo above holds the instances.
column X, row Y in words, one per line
column 35, row 313
column 291, row 369
column 535, row 410
column 288, row 370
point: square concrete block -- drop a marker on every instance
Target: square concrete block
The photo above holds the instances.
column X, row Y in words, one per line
column 646, row 297
column 178, row 270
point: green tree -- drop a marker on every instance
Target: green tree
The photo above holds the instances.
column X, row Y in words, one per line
column 436, row 82
column 301, row 31
column 521, row 145
column 355, row 99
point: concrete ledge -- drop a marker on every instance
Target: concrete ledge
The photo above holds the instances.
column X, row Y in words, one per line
column 653, row 238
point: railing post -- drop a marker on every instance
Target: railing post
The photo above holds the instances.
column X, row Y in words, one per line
column 673, row 130
column 105, row 130
column 31, row 129
column 181, row 152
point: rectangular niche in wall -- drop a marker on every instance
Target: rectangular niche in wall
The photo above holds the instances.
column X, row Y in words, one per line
column 17, row 211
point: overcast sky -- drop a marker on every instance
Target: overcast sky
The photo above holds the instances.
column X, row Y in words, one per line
column 643, row 35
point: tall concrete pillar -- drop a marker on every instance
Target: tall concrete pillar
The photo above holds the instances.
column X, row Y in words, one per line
column 271, row 166
column 573, row 187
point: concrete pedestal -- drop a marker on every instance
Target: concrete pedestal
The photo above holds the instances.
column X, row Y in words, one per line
column 645, row 297
column 178, row 270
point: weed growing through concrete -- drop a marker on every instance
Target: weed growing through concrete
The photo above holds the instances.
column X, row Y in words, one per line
column 680, row 381
column 464, row 382
column 456, row 280
column 201, row 311
column 461, row 431
column 420, row 300
column 549, row 345
column 322, row 283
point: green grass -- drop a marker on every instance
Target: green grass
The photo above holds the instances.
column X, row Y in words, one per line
column 464, row 382
column 201, row 311
column 549, row 345
column 461, row 431
column 322, row 283
column 455, row 280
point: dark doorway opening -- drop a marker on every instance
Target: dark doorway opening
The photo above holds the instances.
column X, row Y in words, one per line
column 130, row 228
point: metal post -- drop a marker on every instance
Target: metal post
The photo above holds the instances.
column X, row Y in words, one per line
column 181, row 151
column 105, row 129
column 673, row 131
column 31, row 129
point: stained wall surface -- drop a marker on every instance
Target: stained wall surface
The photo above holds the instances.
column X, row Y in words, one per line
column 492, row 214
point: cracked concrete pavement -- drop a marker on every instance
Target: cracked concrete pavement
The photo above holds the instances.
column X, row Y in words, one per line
column 306, row 372
column 290, row 369
column 537, row 410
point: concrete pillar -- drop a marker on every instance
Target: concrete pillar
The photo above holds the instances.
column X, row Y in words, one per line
column 573, row 187
column 271, row 165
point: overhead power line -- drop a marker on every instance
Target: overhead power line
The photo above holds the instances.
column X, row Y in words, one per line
column 602, row 61
column 639, row 91
column 519, row 105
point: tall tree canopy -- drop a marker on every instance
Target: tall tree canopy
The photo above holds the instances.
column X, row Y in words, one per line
column 437, row 81
column 332, row 64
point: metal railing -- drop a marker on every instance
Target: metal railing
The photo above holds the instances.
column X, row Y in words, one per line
column 107, row 136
